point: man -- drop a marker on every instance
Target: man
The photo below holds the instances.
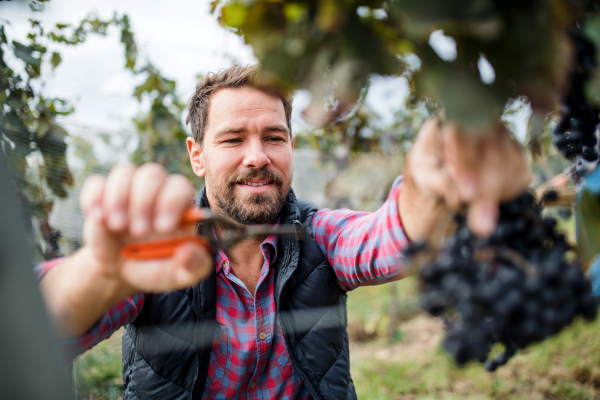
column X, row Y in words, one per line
column 267, row 318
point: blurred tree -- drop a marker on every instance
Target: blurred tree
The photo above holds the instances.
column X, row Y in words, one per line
column 31, row 138
column 36, row 144
column 161, row 131
column 331, row 46
column 359, row 132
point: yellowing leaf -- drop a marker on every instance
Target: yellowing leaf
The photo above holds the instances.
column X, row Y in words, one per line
column 233, row 15
column 294, row 11
column 55, row 60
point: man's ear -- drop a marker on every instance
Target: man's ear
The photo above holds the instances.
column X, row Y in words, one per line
column 196, row 157
column 293, row 141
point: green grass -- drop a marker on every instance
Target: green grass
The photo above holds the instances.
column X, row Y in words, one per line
column 97, row 373
column 566, row 366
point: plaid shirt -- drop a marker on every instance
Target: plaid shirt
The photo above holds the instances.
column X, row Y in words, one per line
column 249, row 356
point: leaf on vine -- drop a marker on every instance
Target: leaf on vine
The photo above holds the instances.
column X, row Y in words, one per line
column 37, row 5
column 14, row 128
column 128, row 40
column 55, row 60
column 233, row 15
column 25, row 53
column 53, row 149
column 213, row 5
column 294, row 12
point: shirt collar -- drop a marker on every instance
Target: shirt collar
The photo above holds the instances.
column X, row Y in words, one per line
column 268, row 248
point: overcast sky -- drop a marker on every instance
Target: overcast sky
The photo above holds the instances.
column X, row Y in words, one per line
column 181, row 38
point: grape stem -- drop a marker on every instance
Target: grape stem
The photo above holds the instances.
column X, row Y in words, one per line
column 489, row 253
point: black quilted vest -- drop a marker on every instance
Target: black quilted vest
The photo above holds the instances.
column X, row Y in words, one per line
column 166, row 350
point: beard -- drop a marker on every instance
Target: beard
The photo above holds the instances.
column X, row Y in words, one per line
column 251, row 209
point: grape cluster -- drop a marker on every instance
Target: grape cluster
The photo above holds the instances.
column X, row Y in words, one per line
column 575, row 133
column 513, row 288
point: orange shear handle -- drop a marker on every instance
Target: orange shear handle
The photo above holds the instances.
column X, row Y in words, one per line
column 165, row 248
column 159, row 248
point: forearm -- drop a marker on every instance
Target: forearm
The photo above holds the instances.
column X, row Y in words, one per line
column 77, row 293
column 363, row 248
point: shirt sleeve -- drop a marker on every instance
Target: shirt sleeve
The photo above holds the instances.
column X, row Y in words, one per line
column 119, row 315
column 363, row 248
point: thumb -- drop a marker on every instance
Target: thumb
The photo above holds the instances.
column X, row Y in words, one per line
column 191, row 263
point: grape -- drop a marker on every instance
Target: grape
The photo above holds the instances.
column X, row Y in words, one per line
column 575, row 134
column 514, row 288
column 565, row 213
column 550, row 196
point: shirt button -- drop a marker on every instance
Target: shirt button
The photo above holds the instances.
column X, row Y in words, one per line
column 252, row 385
column 262, row 336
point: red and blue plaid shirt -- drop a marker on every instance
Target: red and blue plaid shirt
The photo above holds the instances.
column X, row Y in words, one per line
column 249, row 358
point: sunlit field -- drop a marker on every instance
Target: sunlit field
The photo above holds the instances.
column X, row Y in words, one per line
column 412, row 365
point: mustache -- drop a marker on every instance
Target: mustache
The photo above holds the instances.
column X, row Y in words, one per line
column 260, row 173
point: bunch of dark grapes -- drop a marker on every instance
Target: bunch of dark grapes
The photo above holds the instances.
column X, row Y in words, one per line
column 575, row 134
column 514, row 288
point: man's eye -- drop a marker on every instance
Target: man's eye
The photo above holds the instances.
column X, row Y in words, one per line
column 276, row 139
column 233, row 141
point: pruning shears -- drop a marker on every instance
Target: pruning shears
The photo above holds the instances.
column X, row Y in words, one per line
column 230, row 235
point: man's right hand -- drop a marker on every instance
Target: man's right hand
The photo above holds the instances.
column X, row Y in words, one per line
column 131, row 204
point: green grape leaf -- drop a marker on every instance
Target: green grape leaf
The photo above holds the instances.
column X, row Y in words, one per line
column 213, row 5
column 43, row 125
column 16, row 130
column 55, row 60
column 2, row 35
column 233, row 15
column 25, row 53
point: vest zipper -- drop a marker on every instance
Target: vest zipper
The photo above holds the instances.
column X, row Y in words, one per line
column 285, row 328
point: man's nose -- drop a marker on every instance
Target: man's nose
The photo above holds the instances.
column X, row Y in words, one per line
column 255, row 156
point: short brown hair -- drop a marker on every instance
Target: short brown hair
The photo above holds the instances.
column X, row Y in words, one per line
column 233, row 77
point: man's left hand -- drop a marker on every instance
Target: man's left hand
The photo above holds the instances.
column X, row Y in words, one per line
column 448, row 169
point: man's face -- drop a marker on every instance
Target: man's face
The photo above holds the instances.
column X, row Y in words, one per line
column 246, row 155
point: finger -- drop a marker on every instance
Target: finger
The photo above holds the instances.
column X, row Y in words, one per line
column 425, row 164
column 424, row 160
column 90, row 199
column 103, row 244
column 190, row 263
column 174, row 198
column 116, row 196
column 146, row 185
column 461, row 156
column 431, row 179
column 493, row 170
column 428, row 139
column 519, row 177
column 482, row 217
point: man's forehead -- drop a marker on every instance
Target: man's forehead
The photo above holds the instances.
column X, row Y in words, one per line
column 243, row 102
